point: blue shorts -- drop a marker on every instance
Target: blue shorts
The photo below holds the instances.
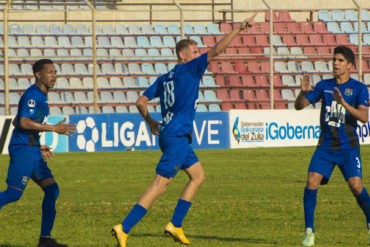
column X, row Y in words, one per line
column 176, row 154
column 348, row 161
column 26, row 162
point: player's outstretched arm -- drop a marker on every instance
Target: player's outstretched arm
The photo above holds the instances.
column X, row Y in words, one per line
column 226, row 40
column 301, row 101
column 142, row 106
column 361, row 113
column 60, row 128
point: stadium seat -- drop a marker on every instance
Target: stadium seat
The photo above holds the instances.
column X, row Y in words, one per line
column 253, row 67
column 302, row 40
column 333, row 27
column 68, row 29
column 306, row 28
column 75, row 53
column 106, row 97
column 213, row 28
column 240, row 67
column 267, row 16
column 337, row 15
column 363, row 27
column 130, row 42
column 146, row 28
column 319, row 27
column 50, row 41
column 293, row 28
column 346, row 27
column 201, row 108
column 119, row 97
column 249, row 95
column 121, row 109
column 173, row 29
column 121, row 29
column 41, row 29
column 147, row 69
column 261, row 81
column 225, row 28
column 261, row 40
column 169, row 42
column 289, row 40
column 280, row 67
column 160, row 29
column 103, row 82
column 14, row 28
column 62, row 53
column 54, row 110
column 214, row 108
column 315, row 40
column 129, row 82
column 107, row 28
column 134, row 68
column 307, row 67
column 342, row 39
column 226, row 106
column 284, row 16
column 199, row 28
column 350, row 15
column 22, row 53
column 248, row 81
column 321, row 66
column 37, row 42
column 131, row 96
column 329, row 40
column 281, row 28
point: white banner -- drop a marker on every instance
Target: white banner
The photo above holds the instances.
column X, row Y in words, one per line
column 274, row 128
column 280, row 128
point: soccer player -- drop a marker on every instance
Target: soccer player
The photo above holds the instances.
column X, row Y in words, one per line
column 178, row 93
column 26, row 154
column 344, row 101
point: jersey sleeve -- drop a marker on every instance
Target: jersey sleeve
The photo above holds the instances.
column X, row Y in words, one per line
column 152, row 91
column 198, row 66
column 27, row 106
column 315, row 95
column 363, row 96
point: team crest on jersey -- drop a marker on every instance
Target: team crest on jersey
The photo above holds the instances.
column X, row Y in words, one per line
column 31, row 103
column 24, row 180
column 348, row 92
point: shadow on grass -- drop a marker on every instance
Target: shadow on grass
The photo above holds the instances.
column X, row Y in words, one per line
column 8, row 245
column 223, row 239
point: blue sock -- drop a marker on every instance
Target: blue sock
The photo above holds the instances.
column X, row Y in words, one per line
column 309, row 202
column 363, row 201
column 181, row 211
column 9, row 195
column 136, row 214
column 48, row 209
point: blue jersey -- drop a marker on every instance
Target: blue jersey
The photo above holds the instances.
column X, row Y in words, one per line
column 33, row 104
column 178, row 93
column 338, row 126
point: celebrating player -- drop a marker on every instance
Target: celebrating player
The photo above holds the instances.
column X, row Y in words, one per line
column 344, row 101
column 178, row 92
column 26, row 154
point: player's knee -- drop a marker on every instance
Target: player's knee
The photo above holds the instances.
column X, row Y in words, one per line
column 355, row 187
column 199, row 179
column 13, row 195
column 313, row 182
column 52, row 191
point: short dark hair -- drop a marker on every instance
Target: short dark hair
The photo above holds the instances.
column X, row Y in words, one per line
column 347, row 53
column 39, row 65
column 182, row 44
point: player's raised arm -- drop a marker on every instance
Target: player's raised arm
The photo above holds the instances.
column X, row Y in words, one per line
column 301, row 101
column 142, row 106
column 221, row 46
column 60, row 128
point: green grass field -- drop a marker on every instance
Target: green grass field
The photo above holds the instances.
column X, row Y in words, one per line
column 251, row 197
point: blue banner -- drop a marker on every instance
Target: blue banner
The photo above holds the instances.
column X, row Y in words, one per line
column 128, row 131
column 57, row 142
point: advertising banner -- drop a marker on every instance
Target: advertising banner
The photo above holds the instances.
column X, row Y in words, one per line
column 128, row 131
column 274, row 128
column 280, row 128
column 58, row 143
